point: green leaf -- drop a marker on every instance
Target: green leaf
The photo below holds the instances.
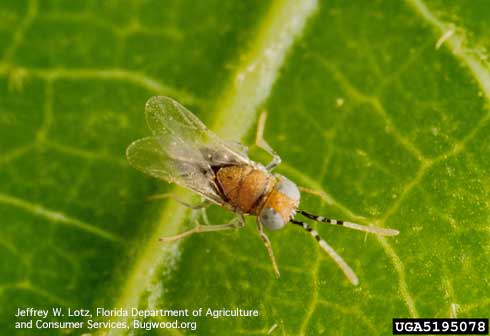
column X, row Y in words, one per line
column 380, row 106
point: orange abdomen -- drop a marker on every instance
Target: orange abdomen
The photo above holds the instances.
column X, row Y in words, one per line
column 245, row 187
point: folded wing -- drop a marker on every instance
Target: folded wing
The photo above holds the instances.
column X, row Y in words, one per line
column 182, row 149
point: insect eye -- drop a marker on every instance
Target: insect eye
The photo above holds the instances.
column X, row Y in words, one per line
column 271, row 219
column 288, row 188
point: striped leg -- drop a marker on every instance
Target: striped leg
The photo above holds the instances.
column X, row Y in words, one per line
column 349, row 273
column 354, row 226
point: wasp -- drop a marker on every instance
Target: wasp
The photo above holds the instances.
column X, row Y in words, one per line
column 182, row 150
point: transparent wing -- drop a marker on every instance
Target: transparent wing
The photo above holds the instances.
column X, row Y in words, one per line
column 169, row 158
column 166, row 116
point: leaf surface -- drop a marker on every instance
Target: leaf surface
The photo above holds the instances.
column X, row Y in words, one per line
column 381, row 107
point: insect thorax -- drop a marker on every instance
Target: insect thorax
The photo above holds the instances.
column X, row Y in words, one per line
column 281, row 204
column 245, row 187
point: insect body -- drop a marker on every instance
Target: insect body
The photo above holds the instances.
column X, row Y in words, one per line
column 253, row 191
column 183, row 151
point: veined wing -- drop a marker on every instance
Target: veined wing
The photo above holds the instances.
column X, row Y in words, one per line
column 169, row 158
column 166, row 116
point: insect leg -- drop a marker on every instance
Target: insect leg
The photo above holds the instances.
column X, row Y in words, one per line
column 349, row 273
column 241, row 221
column 235, row 223
column 268, row 246
column 204, row 216
column 201, row 205
column 261, row 143
column 371, row 229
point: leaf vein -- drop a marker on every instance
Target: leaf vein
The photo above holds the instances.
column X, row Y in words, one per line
column 83, row 153
column 56, row 217
column 18, row 36
column 248, row 89
column 457, row 44
column 377, row 107
column 134, row 77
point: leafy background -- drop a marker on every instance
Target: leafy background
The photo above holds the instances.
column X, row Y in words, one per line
column 390, row 129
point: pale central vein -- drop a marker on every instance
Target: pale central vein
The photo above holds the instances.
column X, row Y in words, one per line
column 235, row 114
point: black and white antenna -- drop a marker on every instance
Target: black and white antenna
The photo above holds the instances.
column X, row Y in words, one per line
column 349, row 273
column 354, row 226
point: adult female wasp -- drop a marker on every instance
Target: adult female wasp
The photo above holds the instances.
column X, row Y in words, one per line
column 184, row 151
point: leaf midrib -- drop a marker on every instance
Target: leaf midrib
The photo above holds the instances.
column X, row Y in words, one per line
column 235, row 115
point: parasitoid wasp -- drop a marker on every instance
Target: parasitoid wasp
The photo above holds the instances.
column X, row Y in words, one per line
column 184, row 151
